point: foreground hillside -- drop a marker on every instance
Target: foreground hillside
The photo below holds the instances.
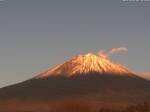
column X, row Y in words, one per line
column 73, row 106
column 90, row 92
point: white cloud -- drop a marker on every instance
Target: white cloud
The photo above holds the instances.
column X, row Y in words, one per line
column 106, row 54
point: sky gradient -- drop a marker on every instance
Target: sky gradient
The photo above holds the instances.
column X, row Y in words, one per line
column 38, row 34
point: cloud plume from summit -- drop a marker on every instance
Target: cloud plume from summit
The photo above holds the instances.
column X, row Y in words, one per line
column 106, row 54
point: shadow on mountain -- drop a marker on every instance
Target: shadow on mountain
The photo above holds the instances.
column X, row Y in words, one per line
column 92, row 85
column 91, row 92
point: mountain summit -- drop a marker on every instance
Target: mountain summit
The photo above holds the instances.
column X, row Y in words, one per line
column 85, row 64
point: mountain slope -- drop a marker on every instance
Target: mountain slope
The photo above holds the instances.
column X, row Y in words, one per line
column 83, row 64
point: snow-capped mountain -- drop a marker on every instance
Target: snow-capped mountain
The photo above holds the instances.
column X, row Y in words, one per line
column 88, row 77
column 84, row 64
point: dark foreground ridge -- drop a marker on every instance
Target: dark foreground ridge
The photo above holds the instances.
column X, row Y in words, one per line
column 104, row 90
column 56, row 87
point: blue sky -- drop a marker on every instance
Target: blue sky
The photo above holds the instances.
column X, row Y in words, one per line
column 38, row 34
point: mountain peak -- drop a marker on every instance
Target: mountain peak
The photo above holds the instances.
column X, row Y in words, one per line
column 84, row 64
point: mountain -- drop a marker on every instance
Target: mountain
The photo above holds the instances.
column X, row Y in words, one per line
column 84, row 64
column 88, row 77
column 145, row 75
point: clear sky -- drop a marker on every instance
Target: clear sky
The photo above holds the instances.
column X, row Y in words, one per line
column 38, row 34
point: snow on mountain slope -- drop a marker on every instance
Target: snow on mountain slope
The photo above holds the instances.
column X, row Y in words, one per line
column 86, row 63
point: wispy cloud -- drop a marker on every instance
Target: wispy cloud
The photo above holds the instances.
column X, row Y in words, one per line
column 106, row 54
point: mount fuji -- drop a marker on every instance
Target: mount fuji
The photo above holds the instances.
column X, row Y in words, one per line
column 86, row 76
